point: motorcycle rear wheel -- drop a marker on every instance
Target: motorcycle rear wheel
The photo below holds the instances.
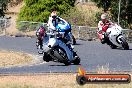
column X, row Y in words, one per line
column 76, row 61
column 46, row 57
column 113, row 46
column 73, row 40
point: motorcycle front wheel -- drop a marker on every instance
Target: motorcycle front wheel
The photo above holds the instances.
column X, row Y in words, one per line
column 63, row 54
column 46, row 57
column 124, row 44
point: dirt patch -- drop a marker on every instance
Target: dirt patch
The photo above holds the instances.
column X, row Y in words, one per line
column 11, row 58
column 51, row 81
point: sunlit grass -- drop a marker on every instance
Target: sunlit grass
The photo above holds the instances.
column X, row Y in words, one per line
column 11, row 58
column 52, row 81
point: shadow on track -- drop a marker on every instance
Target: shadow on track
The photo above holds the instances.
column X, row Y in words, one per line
column 122, row 49
column 77, row 44
column 58, row 65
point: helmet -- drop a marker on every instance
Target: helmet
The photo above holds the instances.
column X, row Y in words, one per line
column 103, row 16
column 53, row 13
column 42, row 30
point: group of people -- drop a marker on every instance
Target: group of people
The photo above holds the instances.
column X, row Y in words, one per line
column 54, row 20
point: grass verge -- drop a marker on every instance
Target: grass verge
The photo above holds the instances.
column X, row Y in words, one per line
column 51, row 81
column 11, row 58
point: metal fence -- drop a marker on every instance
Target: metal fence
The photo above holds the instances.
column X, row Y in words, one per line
column 80, row 32
column 84, row 32
column 4, row 23
column 29, row 26
column 83, row 1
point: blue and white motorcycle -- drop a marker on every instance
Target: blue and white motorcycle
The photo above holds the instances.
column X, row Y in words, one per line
column 55, row 49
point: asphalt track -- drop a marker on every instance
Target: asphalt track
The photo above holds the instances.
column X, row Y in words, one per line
column 93, row 54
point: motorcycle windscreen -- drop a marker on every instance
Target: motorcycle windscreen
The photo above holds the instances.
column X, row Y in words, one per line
column 63, row 27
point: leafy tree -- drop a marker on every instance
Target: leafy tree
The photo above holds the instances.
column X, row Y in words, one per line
column 39, row 10
column 105, row 4
column 3, row 7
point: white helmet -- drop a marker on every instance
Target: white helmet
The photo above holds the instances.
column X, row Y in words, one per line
column 103, row 16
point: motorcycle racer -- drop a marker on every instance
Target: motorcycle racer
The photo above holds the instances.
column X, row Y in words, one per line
column 103, row 25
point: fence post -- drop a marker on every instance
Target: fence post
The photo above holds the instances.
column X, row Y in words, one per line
column 5, row 20
column 4, row 23
column 78, row 32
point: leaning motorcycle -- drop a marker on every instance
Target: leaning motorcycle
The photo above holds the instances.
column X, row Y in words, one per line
column 56, row 50
column 114, row 37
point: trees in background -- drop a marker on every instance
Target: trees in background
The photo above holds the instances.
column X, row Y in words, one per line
column 39, row 10
column 112, row 6
column 3, row 7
